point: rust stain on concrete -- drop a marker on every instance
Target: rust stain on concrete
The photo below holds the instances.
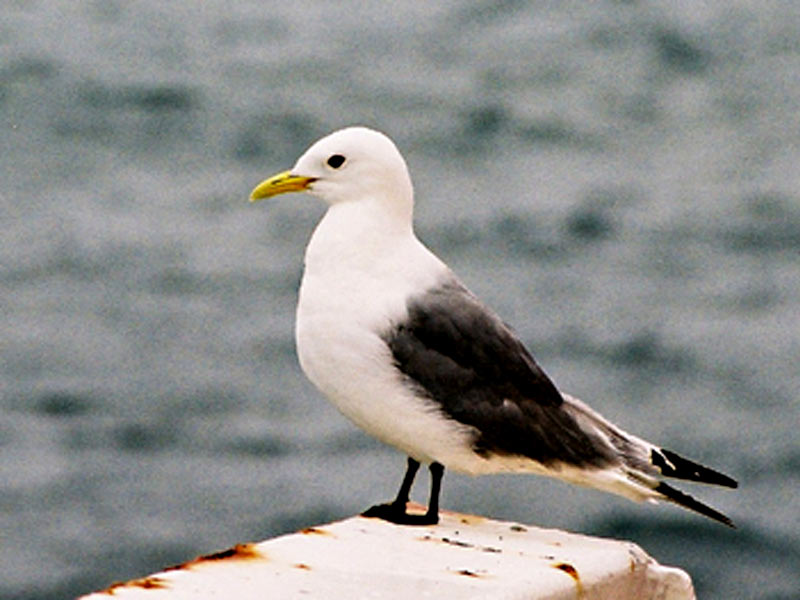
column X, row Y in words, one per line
column 145, row 583
column 238, row 552
column 572, row 572
column 315, row 531
column 468, row 573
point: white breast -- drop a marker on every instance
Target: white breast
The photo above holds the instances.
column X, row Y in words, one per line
column 355, row 288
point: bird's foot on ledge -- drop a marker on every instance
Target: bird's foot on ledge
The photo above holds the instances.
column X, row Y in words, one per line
column 396, row 513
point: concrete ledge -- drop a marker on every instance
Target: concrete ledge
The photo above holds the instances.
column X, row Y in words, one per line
column 465, row 556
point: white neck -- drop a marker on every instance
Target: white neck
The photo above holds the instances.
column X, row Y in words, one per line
column 357, row 232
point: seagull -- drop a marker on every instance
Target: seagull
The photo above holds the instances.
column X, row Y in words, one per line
column 389, row 334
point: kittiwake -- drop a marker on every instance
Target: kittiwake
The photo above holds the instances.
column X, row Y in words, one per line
column 391, row 336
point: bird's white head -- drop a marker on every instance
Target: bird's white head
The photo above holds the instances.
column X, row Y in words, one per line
column 350, row 165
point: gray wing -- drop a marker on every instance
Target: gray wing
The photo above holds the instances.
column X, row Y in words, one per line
column 460, row 355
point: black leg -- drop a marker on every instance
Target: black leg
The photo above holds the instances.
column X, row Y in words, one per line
column 395, row 512
column 408, row 481
column 437, row 472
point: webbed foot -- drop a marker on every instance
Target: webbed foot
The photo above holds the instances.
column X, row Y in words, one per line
column 396, row 513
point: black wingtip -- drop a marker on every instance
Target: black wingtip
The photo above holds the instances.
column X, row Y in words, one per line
column 674, row 465
column 685, row 500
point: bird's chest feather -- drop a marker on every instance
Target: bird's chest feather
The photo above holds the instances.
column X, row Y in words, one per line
column 347, row 302
column 343, row 309
column 357, row 281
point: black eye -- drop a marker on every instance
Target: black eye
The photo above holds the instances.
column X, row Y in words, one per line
column 336, row 161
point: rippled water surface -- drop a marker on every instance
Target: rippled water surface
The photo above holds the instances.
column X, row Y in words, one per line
column 618, row 179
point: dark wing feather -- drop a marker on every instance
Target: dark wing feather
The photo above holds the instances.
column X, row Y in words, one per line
column 459, row 354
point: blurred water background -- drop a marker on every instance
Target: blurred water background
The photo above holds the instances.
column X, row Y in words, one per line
column 619, row 179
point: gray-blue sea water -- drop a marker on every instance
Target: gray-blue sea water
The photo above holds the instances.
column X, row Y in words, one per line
column 618, row 179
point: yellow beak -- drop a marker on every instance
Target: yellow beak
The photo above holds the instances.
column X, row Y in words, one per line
column 281, row 183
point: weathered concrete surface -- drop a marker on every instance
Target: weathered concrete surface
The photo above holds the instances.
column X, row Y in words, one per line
column 465, row 556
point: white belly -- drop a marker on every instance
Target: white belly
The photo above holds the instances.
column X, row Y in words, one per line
column 346, row 303
column 341, row 351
